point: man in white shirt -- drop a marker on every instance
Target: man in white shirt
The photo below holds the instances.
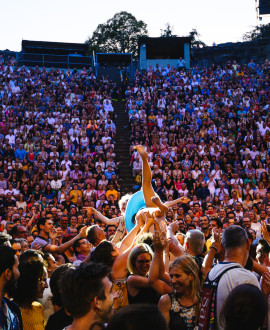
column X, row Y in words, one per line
column 11, row 137
column 236, row 246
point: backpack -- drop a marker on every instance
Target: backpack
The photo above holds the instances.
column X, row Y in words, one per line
column 207, row 317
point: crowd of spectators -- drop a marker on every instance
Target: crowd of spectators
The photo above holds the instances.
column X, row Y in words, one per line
column 66, row 258
column 56, row 145
column 206, row 132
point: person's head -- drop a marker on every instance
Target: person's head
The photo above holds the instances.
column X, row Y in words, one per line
column 30, row 255
column 215, row 223
column 262, row 252
column 204, row 222
column 235, row 243
column 194, row 242
column 50, row 263
column 16, row 246
column 9, row 272
column 5, row 239
column 81, row 246
column 31, row 283
column 123, row 203
column 139, row 259
column 138, row 317
column 55, row 284
column 95, row 235
column 19, row 232
column 184, row 274
column 105, row 253
column 110, row 230
column 64, row 221
column 246, row 223
column 45, row 225
column 245, row 308
column 87, row 290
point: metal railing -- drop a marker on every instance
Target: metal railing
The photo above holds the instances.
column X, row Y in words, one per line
column 51, row 60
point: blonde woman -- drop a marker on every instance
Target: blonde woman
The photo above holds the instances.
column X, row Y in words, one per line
column 138, row 286
column 180, row 307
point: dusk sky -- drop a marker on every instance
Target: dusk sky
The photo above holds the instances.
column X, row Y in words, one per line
column 73, row 21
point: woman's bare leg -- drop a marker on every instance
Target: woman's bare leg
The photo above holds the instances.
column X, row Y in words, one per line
column 148, row 191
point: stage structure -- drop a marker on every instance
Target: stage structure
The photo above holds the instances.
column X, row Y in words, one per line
column 54, row 54
column 163, row 51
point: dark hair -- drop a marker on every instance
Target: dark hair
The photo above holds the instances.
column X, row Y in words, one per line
column 265, row 247
column 7, row 258
column 245, row 308
column 14, row 230
column 42, row 222
column 218, row 221
column 91, row 234
column 30, row 273
column 55, row 283
column 138, row 317
column 103, row 254
column 80, row 286
column 67, row 238
column 146, row 238
column 77, row 244
column 233, row 237
column 108, row 226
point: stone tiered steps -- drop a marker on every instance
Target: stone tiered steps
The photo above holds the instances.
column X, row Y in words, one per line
column 126, row 180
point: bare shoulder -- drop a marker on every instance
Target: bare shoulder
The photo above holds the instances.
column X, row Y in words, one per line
column 164, row 302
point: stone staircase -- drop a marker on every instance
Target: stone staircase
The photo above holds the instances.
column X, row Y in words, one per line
column 126, row 180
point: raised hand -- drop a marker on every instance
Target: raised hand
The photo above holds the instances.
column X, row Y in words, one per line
column 159, row 241
column 53, row 234
column 83, row 232
column 90, row 210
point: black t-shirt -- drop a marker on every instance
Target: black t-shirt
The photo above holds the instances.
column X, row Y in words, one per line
column 59, row 320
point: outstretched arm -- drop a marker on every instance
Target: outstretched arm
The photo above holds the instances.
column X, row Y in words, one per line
column 101, row 217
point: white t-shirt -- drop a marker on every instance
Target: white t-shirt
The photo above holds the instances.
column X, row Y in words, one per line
column 227, row 283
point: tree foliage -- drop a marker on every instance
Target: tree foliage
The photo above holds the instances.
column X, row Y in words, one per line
column 195, row 41
column 168, row 31
column 258, row 32
column 119, row 34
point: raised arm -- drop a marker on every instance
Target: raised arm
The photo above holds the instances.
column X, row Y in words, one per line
column 101, row 217
column 63, row 247
column 214, row 248
column 175, row 247
column 159, row 242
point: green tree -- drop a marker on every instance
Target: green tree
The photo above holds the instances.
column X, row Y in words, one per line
column 118, row 35
column 195, row 41
column 168, row 31
column 258, row 32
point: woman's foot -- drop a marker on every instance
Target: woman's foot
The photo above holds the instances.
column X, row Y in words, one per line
column 141, row 151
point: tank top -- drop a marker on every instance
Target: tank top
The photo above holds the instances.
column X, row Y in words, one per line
column 181, row 317
column 144, row 296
